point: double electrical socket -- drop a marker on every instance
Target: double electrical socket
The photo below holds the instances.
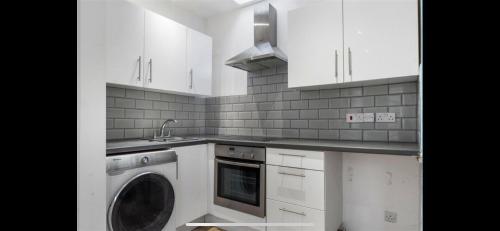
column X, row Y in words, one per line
column 385, row 117
column 390, row 216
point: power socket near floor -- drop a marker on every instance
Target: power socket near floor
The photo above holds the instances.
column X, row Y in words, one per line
column 390, row 216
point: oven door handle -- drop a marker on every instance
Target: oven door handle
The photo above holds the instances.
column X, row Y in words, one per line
column 238, row 164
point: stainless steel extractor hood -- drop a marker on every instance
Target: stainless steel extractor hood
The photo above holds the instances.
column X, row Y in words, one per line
column 265, row 52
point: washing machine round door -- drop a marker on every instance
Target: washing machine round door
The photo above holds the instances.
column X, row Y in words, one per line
column 144, row 203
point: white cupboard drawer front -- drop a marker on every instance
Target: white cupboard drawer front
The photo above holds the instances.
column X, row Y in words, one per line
column 280, row 212
column 297, row 186
column 295, row 158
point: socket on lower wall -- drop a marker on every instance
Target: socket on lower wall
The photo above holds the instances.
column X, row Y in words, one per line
column 390, row 216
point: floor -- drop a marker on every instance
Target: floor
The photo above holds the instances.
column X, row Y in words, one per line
column 207, row 229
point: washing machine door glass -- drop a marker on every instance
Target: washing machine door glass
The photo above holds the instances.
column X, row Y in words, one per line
column 144, row 203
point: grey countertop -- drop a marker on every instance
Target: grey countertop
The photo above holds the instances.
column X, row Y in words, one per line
column 135, row 145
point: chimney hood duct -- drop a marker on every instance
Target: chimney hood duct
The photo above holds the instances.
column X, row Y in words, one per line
column 265, row 53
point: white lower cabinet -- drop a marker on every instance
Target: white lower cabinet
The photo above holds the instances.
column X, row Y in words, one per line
column 192, row 185
column 297, row 186
column 295, row 158
column 281, row 212
column 304, row 187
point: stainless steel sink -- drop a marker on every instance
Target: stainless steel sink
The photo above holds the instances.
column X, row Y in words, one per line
column 172, row 139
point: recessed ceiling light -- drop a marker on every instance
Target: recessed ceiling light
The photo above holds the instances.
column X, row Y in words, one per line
column 243, row 1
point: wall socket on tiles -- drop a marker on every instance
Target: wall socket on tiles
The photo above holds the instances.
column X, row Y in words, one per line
column 359, row 117
column 369, row 117
column 385, row 117
column 354, row 117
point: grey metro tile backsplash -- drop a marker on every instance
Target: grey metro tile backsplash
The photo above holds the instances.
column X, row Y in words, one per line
column 138, row 113
column 269, row 109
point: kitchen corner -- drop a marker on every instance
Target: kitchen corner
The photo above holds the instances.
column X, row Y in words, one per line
column 245, row 115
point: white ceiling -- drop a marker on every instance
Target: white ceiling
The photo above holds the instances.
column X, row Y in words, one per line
column 207, row 8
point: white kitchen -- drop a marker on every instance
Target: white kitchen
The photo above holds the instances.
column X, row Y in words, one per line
column 249, row 115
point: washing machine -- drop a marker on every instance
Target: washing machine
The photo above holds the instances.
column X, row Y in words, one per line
column 141, row 191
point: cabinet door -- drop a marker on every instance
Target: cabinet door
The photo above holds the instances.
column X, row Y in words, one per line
column 124, row 43
column 192, row 185
column 165, row 64
column 199, row 63
column 302, row 187
column 315, row 45
column 281, row 212
column 296, row 158
column 382, row 37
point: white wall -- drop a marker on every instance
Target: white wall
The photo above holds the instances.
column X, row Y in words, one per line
column 232, row 33
column 374, row 183
column 167, row 9
column 91, row 123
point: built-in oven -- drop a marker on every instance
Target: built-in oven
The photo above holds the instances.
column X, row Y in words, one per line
column 240, row 178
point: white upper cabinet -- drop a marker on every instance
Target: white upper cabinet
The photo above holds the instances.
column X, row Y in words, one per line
column 124, row 46
column 145, row 49
column 382, row 37
column 315, row 45
column 165, row 63
column 199, row 63
column 374, row 39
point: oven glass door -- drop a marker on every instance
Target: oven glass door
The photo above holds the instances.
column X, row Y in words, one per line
column 239, row 183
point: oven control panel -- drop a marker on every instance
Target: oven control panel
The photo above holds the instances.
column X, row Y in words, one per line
column 241, row 152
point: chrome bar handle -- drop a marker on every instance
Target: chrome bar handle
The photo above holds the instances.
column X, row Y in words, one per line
column 177, row 167
column 291, row 174
column 140, row 69
column 285, row 154
column 191, row 78
column 286, row 210
column 150, row 70
column 350, row 62
column 336, row 66
column 238, row 163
